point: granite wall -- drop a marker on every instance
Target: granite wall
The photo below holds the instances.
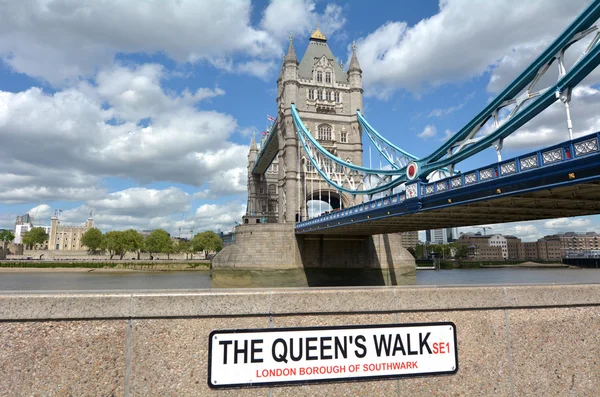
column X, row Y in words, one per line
column 512, row 341
column 275, row 247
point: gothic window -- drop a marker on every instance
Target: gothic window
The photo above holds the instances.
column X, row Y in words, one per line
column 344, row 137
column 329, row 96
column 272, row 190
column 261, row 190
column 324, row 132
column 271, row 207
column 311, row 94
column 337, row 97
column 319, row 77
column 320, row 95
column 328, row 77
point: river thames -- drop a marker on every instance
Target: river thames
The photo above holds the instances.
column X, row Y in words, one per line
column 86, row 281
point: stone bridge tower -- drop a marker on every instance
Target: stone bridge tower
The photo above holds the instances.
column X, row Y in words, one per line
column 327, row 98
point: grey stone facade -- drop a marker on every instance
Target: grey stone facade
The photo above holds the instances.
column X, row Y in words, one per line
column 327, row 98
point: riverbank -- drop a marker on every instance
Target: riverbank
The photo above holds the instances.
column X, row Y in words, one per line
column 97, row 266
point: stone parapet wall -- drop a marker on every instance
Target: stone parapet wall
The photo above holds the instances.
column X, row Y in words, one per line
column 512, row 341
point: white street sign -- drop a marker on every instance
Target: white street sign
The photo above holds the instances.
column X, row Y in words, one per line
column 304, row 355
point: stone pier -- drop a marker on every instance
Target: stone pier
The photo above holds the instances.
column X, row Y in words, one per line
column 311, row 260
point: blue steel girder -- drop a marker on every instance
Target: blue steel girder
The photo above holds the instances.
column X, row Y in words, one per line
column 463, row 145
column 395, row 156
column 344, row 176
column 561, row 180
column 268, row 151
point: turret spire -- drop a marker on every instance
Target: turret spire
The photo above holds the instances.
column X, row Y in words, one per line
column 354, row 65
column 291, row 54
column 253, row 143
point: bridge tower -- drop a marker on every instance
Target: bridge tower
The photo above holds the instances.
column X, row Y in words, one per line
column 327, row 98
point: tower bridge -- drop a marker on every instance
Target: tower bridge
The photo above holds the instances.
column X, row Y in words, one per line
column 314, row 150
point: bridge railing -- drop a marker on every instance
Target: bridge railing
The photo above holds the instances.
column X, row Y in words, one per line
column 546, row 157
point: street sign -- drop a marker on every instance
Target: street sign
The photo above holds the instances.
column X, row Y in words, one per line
column 262, row 357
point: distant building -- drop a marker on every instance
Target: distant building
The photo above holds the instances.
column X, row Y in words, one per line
column 23, row 224
column 493, row 247
column 409, row 239
column 441, row 236
column 67, row 238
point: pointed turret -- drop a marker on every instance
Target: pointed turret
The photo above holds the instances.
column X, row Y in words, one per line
column 354, row 65
column 355, row 80
column 291, row 54
column 253, row 147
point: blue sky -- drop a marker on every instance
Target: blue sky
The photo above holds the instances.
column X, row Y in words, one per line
column 143, row 111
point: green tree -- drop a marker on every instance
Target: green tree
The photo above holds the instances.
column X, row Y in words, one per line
column 115, row 243
column 6, row 235
column 92, row 239
column 134, row 241
column 461, row 250
column 185, row 247
column 158, row 241
column 420, row 251
column 207, row 241
column 35, row 236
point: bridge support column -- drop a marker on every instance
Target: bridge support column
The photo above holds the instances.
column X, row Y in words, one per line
column 273, row 255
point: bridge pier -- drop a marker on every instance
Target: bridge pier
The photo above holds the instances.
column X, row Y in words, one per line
column 266, row 255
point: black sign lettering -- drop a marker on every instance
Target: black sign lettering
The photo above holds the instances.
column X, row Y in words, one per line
column 254, row 350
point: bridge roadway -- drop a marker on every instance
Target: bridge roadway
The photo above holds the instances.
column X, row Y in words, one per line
column 559, row 181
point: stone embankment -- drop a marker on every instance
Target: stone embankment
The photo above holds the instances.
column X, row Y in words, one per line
column 511, row 341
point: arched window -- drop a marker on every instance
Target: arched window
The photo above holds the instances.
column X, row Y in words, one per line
column 337, row 97
column 320, row 95
column 272, row 190
column 344, row 137
column 328, row 77
column 324, row 132
column 311, row 94
column 319, row 77
column 329, row 96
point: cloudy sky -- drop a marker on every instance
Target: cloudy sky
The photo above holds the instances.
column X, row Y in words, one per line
column 143, row 111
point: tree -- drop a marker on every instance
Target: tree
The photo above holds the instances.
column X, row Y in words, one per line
column 207, row 241
column 461, row 250
column 158, row 241
column 115, row 243
column 6, row 235
column 184, row 246
column 92, row 239
column 134, row 241
column 35, row 236
column 420, row 251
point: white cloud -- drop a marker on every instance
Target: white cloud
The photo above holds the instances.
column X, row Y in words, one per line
column 428, row 132
column 149, row 202
column 59, row 146
column 141, row 208
column 62, row 40
column 283, row 17
column 463, row 40
column 136, row 93
column 567, row 224
column 534, row 230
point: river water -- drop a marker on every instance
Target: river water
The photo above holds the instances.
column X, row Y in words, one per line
column 32, row 281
